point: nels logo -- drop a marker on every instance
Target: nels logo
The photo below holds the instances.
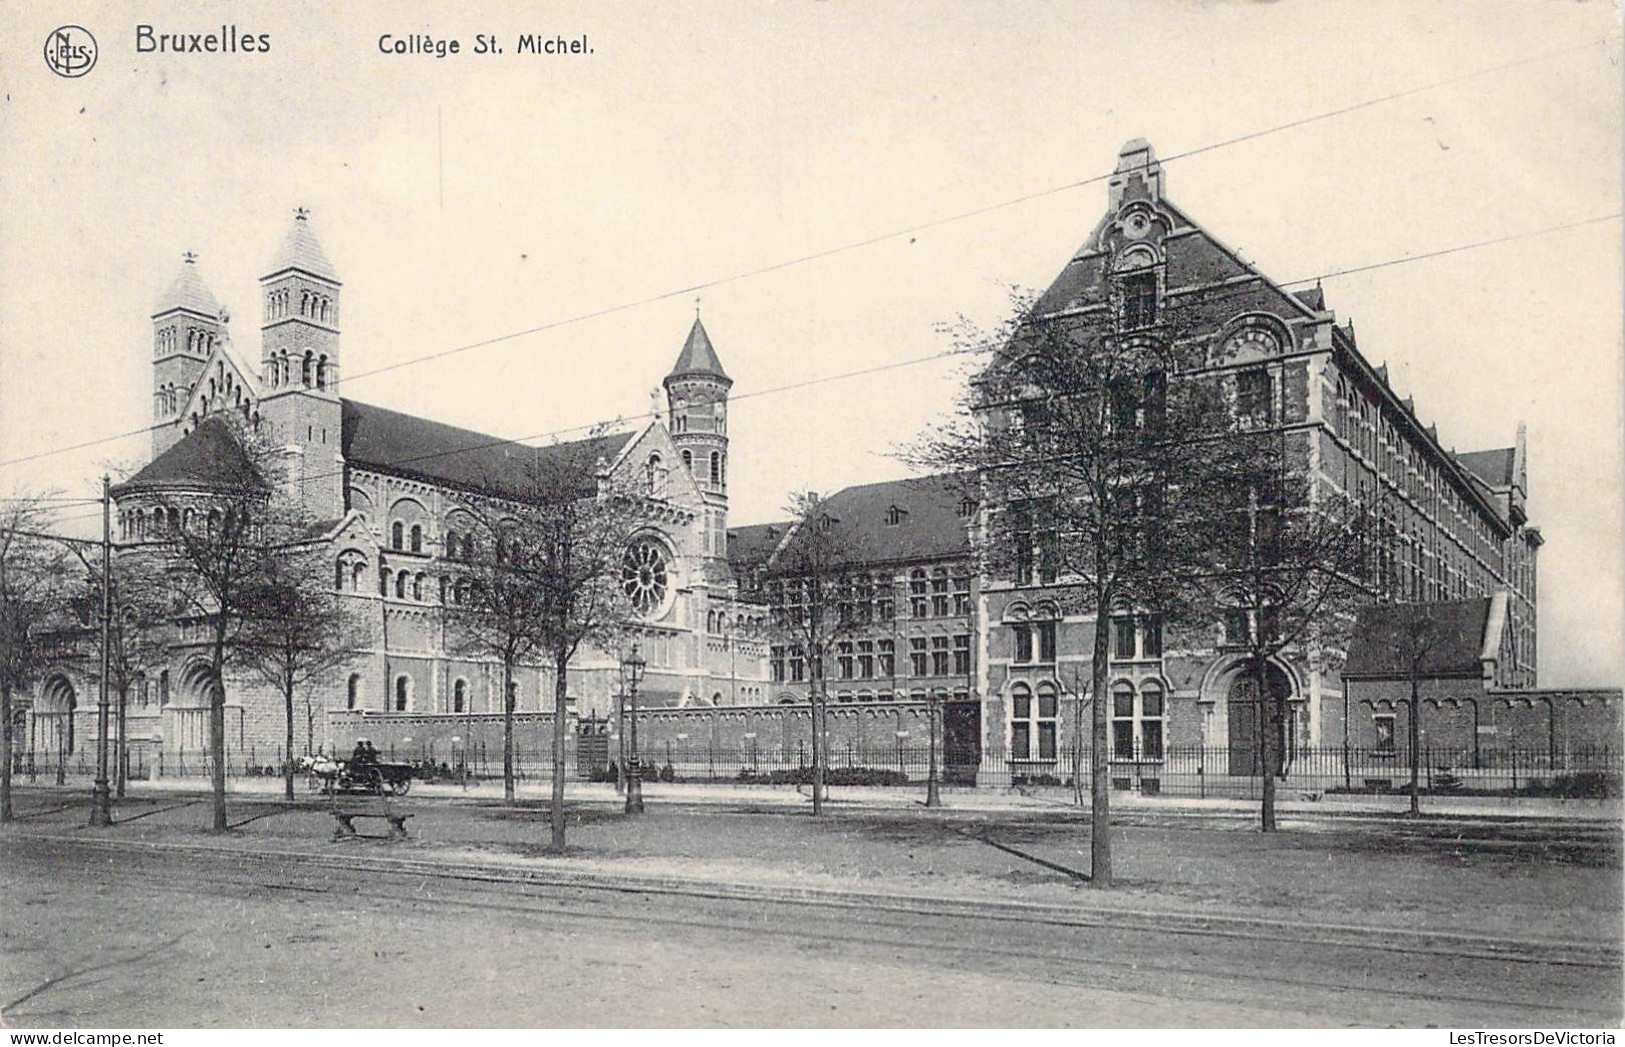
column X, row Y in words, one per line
column 70, row 51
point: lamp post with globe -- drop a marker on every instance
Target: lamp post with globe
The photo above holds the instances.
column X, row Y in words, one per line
column 632, row 671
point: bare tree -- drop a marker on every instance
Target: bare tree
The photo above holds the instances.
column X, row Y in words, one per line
column 32, row 591
column 221, row 543
column 1092, row 441
column 1290, row 563
column 1406, row 638
column 812, row 610
column 547, row 574
column 137, row 634
column 295, row 628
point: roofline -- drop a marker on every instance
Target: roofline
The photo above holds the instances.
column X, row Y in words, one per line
column 1340, row 343
column 335, row 281
column 186, row 309
column 715, row 376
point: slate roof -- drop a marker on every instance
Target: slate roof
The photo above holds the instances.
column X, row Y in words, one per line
column 387, row 441
column 751, row 546
column 929, row 528
column 1447, row 636
column 188, row 291
column 1493, row 467
column 378, row 438
column 699, row 356
column 208, row 456
column 300, row 250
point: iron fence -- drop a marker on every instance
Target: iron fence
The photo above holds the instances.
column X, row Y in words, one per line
column 1185, row 771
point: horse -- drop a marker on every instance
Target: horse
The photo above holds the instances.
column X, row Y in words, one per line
column 321, row 772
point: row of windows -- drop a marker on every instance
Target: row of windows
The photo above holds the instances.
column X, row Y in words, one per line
column 1137, row 721
column 139, row 524
column 198, row 340
column 401, row 694
column 312, row 304
column 314, row 371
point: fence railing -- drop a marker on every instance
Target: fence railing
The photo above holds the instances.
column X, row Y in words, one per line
column 1189, row 771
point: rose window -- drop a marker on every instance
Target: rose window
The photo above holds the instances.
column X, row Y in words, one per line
column 645, row 577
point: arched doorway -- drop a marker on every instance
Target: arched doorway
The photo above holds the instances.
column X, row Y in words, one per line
column 53, row 717
column 1247, row 717
column 189, row 711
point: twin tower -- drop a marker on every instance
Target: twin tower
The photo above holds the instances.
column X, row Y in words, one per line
column 198, row 373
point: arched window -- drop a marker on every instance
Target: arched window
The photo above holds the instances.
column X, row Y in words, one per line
column 400, row 585
column 688, row 462
column 338, row 574
column 417, row 587
column 655, row 471
column 357, row 569
column 397, row 535
column 417, row 538
column 321, row 372
column 352, row 698
column 716, row 467
column 383, row 580
column 459, row 695
column 403, row 693
column 305, row 373
column 451, row 545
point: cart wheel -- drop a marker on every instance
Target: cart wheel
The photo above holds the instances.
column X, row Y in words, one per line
column 403, row 786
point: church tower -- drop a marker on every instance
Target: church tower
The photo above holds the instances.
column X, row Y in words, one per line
column 299, row 368
column 697, row 402
column 185, row 327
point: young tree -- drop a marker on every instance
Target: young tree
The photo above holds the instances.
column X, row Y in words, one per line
column 552, row 569
column 1409, row 639
column 137, row 635
column 220, row 544
column 1289, row 567
column 32, row 599
column 294, row 629
column 1091, row 439
column 808, row 592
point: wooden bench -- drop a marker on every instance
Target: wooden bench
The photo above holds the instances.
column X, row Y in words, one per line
column 345, row 830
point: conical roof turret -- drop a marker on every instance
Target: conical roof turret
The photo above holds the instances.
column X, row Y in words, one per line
column 302, row 251
column 189, row 292
column 699, row 356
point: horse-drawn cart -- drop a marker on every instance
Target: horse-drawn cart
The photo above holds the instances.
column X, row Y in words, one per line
column 373, row 777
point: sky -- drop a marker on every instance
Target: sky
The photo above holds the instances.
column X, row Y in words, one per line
column 580, row 198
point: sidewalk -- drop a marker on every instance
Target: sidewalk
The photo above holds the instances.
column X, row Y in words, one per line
column 1533, row 880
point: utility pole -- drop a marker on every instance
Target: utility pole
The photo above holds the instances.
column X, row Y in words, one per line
column 101, row 808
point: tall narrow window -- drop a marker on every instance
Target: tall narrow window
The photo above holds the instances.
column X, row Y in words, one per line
column 1139, row 300
column 417, row 538
column 459, row 696
column 403, row 693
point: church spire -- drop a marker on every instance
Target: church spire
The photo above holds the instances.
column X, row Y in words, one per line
column 699, row 356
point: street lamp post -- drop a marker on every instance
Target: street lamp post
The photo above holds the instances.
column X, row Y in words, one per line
column 633, row 667
column 101, row 811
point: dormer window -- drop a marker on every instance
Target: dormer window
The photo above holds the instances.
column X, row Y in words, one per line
column 967, row 508
column 894, row 516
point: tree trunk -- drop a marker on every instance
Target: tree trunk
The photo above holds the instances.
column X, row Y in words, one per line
column 287, row 751
column 560, row 702
column 121, row 755
column 217, row 740
column 1100, row 771
column 1266, row 743
column 817, row 738
column 507, row 731
column 1415, row 733
column 5, row 754
column 933, row 797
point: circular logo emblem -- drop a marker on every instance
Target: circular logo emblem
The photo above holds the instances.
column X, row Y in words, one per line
column 70, row 51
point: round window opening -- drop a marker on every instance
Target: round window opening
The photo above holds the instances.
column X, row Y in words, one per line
column 645, row 577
